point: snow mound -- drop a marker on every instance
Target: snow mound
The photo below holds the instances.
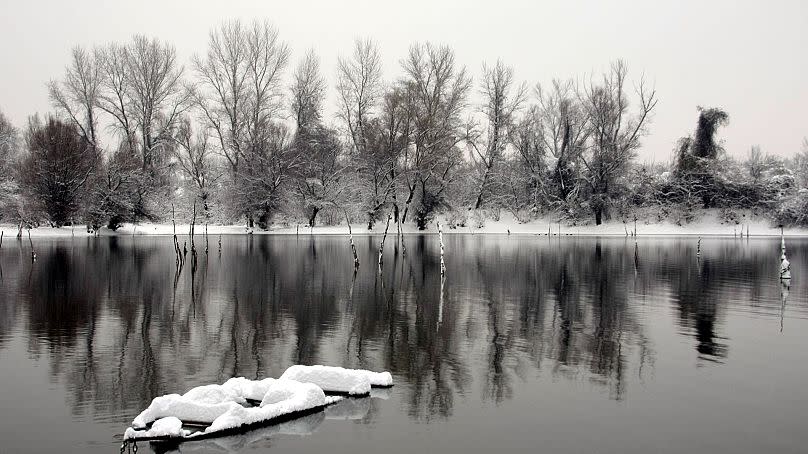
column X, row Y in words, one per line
column 379, row 379
column 354, row 382
column 214, row 394
column 249, row 389
column 170, row 426
column 184, row 408
column 282, row 398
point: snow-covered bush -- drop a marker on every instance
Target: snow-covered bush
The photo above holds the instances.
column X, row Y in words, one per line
column 794, row 210
column 455, row 219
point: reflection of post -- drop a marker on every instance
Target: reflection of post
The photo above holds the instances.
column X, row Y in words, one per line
column 784, row 288
column 442, row 263
column 33, row 253
column 440, row 304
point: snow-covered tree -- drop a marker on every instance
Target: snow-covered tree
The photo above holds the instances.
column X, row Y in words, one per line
column 56, row 168
column 502, row 99
column 439, row 87
column 614, row 134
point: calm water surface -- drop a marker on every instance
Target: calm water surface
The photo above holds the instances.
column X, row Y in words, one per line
column 529, row 344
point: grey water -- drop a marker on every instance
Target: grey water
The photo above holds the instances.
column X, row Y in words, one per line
column 562, row 345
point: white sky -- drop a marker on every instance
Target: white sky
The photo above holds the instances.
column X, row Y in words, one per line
column 748, row 57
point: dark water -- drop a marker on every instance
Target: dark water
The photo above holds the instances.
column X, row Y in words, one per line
column 530, row 344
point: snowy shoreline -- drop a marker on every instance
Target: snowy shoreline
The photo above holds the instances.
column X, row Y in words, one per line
column 706, row 227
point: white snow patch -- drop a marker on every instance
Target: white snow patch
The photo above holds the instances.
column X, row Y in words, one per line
column 249, row 389
column 183, row 408
column 331, row 379
column 283, row 397
column 213, row 394
column 170, row 426
column 378, row 378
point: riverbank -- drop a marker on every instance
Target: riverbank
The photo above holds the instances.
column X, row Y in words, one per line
column 707, row 225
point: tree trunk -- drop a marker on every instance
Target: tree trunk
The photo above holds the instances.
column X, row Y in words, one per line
column 313, row 216
column 598, row 216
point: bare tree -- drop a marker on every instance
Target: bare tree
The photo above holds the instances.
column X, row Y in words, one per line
column 359, row 85
column 194, row 157
column 563, row 131
column 240, row 94
column 114, row 94
column 156, row 94
column 308, row 91
column 502, row 101
column 77, row 95
column 439, row 88
column 615, row 133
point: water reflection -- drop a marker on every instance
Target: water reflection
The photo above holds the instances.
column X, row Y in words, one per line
column 119, row 324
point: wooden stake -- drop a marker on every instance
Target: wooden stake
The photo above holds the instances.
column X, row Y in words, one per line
column 384, row 238
column 350, row 238
column 442, row 262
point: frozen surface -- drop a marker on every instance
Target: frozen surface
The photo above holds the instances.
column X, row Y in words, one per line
column 331, row 379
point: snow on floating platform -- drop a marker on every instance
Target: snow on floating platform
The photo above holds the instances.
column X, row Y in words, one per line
column 219, row 408
column 353, row 382
column 241, row 403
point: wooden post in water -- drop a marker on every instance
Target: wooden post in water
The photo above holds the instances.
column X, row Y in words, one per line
column 350, row 239
column 401, row 236
column 442, row 262
column 698, row 248
column 1, row 238
column 177, row 250
column 384, row 238
column 785, row 266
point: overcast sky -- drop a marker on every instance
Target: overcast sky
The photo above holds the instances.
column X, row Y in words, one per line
column 748, row 57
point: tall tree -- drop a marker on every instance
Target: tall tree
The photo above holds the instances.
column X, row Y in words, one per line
column 502, row 99
column 320, row 181
column 439, row 88
column 614, row 135
column 239, row 91
column 308, row 91
column 77, row 95
column 193, row 155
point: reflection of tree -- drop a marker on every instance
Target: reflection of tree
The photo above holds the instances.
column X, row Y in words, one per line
column 114, row 328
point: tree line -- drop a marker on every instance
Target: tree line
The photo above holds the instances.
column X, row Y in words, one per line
column 241, row 131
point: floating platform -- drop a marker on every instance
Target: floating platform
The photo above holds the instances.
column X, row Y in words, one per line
column 240, row 405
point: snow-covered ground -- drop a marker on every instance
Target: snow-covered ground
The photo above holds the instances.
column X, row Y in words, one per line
column 706, row 224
